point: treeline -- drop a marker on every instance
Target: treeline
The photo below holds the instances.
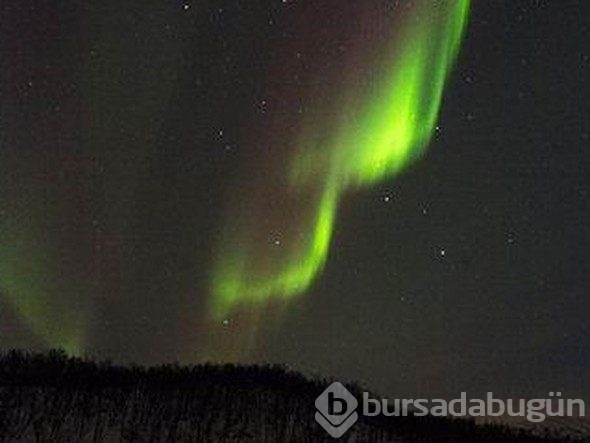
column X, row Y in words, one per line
column 55, row 398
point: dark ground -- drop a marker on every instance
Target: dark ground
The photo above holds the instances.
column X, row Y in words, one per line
column 54, row 398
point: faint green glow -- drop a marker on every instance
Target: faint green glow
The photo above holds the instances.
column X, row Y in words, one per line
column 392, row 127
column 30, row 281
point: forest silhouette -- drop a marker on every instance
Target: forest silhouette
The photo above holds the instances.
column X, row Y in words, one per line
column 53, row 397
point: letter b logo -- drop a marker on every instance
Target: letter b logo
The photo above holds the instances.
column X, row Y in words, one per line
column 336, row 410
column 336, row 406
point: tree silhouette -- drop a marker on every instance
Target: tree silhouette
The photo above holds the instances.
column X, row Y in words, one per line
column 55, row 398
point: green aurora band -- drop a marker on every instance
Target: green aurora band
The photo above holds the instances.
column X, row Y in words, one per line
column 31, row 279
column 376, row 137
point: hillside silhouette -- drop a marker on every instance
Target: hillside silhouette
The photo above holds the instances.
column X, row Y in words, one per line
column 56, row 398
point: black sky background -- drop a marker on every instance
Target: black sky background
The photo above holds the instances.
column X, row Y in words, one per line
column 124, row 123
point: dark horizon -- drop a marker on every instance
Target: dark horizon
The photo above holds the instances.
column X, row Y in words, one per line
column 98, row 401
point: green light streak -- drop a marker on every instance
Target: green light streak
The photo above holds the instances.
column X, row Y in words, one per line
column 30, row 281
column 391, row 129
column 295, row 275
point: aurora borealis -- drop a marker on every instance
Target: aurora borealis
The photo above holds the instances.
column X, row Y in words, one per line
column 377, row 134
column 390, row 191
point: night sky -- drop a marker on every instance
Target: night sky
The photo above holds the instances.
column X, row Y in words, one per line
column 148, row 147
